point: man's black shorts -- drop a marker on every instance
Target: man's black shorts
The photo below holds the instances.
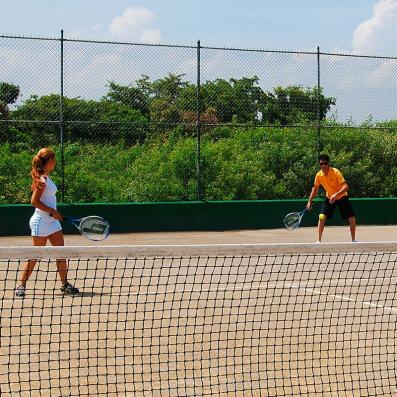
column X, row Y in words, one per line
column 345, row 208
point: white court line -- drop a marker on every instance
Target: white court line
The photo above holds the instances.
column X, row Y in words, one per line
column 257, row 287
column 345, row 298
column 336, row 283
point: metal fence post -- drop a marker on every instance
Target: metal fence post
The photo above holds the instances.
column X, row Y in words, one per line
column 198, row 126
column 61, row 127
column 319, row 146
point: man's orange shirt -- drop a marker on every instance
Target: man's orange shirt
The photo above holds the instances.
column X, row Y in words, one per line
column 332, row 183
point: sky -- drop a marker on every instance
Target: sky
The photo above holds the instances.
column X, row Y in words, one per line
column 359, row 26
column 363, row 87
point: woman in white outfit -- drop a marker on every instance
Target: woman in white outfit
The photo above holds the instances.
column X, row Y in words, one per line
column 45, row 223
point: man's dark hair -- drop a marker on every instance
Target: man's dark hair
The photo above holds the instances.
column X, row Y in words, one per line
column 323, row 157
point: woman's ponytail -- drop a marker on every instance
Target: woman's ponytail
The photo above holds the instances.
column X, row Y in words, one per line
column 38, row 165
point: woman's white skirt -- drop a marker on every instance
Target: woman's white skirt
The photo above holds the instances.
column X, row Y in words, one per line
column 43, row 225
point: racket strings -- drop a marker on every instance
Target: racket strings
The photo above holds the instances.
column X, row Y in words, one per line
column 94, row 228
column 292, row 221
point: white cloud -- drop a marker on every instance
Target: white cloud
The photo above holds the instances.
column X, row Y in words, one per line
column 135, row 24
column 377, row 35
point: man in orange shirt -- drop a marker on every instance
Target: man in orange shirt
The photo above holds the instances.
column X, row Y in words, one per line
column 335, row 186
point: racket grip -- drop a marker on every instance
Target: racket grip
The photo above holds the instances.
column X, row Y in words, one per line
column 63, row 218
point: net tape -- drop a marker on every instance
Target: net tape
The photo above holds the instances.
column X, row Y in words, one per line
column 130, row 251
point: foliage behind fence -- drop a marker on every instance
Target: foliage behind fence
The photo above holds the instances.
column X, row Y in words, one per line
column 135, row 122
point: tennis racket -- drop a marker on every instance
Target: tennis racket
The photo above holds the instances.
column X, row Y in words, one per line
column 94, row 227
column 293, row 220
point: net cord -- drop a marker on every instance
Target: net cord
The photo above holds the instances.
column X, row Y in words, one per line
column 131, row 251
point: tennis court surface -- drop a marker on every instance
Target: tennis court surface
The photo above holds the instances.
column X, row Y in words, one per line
column 202, row 320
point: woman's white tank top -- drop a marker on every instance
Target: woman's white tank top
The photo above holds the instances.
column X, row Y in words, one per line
column 48, row 197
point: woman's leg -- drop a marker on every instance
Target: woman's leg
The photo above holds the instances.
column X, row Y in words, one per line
column 56, row 240
column 28, row 266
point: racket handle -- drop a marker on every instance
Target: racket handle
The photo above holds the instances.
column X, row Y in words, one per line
column 63, row 217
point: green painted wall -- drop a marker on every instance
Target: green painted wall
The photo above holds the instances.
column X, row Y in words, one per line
column 213, row 215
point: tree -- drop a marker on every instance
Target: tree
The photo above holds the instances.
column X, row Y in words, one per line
column 165, row 106
column 134, row 97
column 236, row 100
column 84, row 120
column 219, row 95
column 9, row 93
column 120, row 123
column 295, row 104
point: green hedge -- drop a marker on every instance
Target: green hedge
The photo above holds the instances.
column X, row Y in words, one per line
column 237, row 164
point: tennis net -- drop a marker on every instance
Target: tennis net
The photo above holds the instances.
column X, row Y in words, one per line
column 214, row 320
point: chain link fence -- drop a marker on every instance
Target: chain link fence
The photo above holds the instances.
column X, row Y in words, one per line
column 138, row 122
